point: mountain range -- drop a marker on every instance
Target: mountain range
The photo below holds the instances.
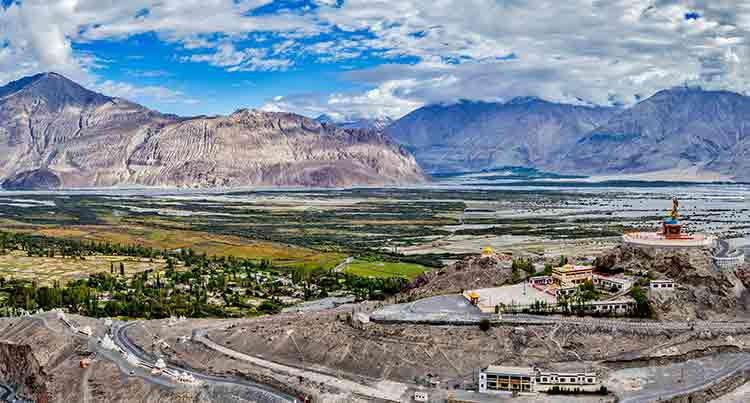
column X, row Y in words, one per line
column 674, row 130
column 468, row 136
column 55, row 133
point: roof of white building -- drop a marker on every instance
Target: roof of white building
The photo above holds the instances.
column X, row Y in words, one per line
column 500, row 369
column 614, row 302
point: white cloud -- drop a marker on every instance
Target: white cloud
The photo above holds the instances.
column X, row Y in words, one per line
column 573, row 51
column 154, row 93
column 249, row 59
column 376, row 103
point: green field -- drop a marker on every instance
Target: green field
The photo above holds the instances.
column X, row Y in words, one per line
column 385, row 269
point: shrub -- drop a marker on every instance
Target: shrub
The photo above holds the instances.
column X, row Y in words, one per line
column 484, row 324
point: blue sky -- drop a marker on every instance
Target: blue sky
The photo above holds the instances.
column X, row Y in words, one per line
column 374, row 58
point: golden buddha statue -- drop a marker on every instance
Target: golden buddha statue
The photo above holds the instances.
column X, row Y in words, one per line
column 671, row 228
column 675, row 205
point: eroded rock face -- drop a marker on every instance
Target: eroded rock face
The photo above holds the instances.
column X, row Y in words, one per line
column 19, row 367
column 50, row 125
column 704, row 291
column 480, row 135
column 470, row 273
column 674, row 128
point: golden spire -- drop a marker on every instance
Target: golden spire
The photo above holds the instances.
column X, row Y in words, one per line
column 675, row 205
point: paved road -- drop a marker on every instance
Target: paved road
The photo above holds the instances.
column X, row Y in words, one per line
column 682, row 326
column 732, row 367
column 446, row 311
column 8, row 394
column 266, row 393
column 341, row 266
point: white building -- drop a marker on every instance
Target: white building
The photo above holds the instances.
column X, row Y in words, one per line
column 618, row 306
column 545, row 381
column 662, row 285
column 497, row 378
column 525, row 379
column 611, row 283
column 420, row 396
column 107, row 342
column 730, row 262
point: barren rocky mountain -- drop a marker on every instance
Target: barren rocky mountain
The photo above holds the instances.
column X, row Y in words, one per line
column 675, row 128
column 476, row 135
column 53, row 133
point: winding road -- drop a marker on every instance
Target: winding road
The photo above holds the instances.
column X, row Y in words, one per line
column 731, row 368
column 262, row 392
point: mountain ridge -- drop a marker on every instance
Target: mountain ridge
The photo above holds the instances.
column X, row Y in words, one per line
column 674, row 128
column 480, row 135
column 573, row 139
column 51, row 126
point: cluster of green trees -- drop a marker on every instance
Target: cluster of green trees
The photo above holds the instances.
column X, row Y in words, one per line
column 43, row 246
column 187, row 286
column 523, row 264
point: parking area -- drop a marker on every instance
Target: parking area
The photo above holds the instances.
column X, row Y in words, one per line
column 521, row 294
column 443, row 304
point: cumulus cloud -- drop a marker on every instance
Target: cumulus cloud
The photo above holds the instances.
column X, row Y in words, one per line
column 385, row 101
column 249, row 59
column 580, row 51
column 154, row 93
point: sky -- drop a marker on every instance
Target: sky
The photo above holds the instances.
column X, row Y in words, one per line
column 353, row 59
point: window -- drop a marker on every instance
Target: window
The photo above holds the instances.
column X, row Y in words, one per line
column 590, row 380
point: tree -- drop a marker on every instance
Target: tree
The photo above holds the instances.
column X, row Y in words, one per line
column 643, row 308
column 484, row 324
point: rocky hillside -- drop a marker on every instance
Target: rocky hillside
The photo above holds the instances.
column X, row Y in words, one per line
column 703, row 291
column 470, row 273
column 475, row 135
column 55, row 133
column 675, row 128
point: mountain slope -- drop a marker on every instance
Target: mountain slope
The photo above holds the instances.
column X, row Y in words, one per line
column 477, row 135
column 676, row 128
column 52, row 127
column 374, row 124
